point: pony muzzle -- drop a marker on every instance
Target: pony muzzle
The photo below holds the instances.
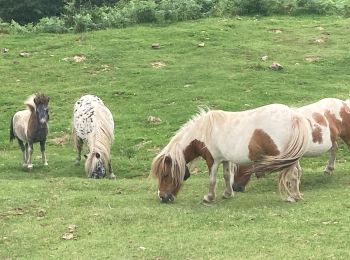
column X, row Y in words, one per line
column 166, row 197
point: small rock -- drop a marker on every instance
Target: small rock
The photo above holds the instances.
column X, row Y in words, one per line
column 312, row 58
column 264, row 58
column 319, row 41
column 79, row 58
column 41, row 213
column 155, row 46
column 276, row 66
column 154, row 120
column 201, row 44
column 24, row 54
column 158, row 64
column 275, row 30
column 68, row 236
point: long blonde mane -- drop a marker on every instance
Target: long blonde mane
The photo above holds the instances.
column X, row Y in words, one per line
column 200, row 128
column 101, row 139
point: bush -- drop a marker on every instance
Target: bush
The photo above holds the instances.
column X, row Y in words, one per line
column 179, row 10
column 51, row 25
column 29, row 11
column 85, row 15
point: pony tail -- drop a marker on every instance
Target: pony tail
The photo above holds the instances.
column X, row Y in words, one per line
column 299, row 142
column 12, row 133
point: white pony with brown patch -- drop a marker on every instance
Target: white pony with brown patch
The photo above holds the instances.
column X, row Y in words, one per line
column 93, row 124
column 271, row 137
column 329, row 121
column 30, row 126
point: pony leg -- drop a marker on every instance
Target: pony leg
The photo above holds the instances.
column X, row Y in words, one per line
column 79, row 146
column 229, row 178
column 111, row 174
column 43, row 155
column 212, row 183
column 30, row 154
column 332, row 153
column 24, row 153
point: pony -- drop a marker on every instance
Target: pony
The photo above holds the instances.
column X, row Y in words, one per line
column 93, row 124
column 329, row 120
column 272, row 137
column 30, row 126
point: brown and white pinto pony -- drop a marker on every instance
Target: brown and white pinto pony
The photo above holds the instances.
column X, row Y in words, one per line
column 271, row 137
column 30, row 126
column 329, row 120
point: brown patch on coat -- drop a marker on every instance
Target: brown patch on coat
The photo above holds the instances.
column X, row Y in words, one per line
column 319, row 119
column 317, row 134
column 345, row 124
column 197, row 148
column 334, row 125
column 261, row 144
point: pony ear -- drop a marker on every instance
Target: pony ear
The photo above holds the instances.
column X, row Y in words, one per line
column 85, row 156
column 97, row 155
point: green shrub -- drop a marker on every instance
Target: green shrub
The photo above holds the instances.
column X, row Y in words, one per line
column 179, row 10
column 82, row 22
column 51, row 25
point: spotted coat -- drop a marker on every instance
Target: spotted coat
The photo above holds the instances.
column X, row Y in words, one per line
column 84, row 120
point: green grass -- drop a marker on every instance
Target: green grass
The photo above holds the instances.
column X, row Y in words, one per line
column 123, row 219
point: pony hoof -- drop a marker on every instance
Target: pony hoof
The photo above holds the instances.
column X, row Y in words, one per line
column 46, row 164
column 30, row 167
column 24, row 165
column 327, row 172
column 227, row 195
column 208, row 199
column 112, row 177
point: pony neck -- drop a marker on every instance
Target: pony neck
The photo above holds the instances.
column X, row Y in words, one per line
column 195, row 149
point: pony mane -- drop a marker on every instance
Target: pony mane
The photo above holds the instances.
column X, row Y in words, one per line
column 102, row 137
column 198, row 127
column 29, row 102
column 34, row 99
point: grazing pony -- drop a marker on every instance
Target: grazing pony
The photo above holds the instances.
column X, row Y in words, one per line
column 93, row 123
column 271, row 137
column 329, row 120
column 30, row 126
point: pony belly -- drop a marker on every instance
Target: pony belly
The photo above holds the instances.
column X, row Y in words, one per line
column 318, row 149
column 20, row 124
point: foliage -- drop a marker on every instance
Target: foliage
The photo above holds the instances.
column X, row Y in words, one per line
column 29, row 11
column 80, row 16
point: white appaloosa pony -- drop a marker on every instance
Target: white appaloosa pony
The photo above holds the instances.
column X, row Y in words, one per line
column 93, row 123
column 271, row 137
column 329, row 120
column 30, row 126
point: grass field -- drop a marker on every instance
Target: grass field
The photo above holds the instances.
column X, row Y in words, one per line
column 123, row 219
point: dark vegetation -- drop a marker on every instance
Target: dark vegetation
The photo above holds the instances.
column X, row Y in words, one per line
column 84, row 15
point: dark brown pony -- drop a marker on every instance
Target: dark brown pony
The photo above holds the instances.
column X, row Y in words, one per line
column 30, row 126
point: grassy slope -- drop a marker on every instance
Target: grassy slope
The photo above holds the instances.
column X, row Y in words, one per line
column 123, row 219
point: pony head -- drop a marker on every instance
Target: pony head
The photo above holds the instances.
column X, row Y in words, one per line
column 242, row 177
column 170, row 174
column 95, row 166
column 41, row 102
